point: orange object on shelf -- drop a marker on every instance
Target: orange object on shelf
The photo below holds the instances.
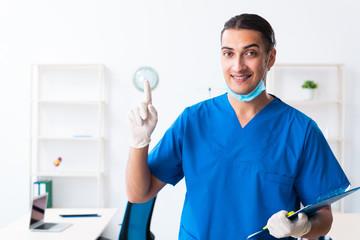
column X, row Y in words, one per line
column 57, row 162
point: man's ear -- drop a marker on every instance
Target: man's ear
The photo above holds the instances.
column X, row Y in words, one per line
column 272, row 58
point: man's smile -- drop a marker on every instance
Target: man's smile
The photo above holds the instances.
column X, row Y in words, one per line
column 242, row 77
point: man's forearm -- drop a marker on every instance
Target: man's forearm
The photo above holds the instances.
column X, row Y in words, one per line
column 138, row 176
column 320, row 223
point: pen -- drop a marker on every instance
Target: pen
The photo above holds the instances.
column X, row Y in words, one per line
column 258, row 235
column 288, row 215
column 80, row 215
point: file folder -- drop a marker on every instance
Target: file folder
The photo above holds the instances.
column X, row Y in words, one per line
column 41, row 187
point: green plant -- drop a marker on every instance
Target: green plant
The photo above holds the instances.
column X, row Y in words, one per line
column 309, row 84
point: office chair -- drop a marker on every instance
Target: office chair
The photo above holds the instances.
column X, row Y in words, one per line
column 136, row 222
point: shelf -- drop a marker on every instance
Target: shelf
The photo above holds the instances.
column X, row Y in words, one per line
column 78, row 102
column 316, row 65
column 55, row 65
column 68, row 174
column 328, row 105
column 67, row 119
column 333, row 139
column 312, row 102
column 80, row 138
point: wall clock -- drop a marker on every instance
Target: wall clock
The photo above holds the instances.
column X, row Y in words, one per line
column 145, row 73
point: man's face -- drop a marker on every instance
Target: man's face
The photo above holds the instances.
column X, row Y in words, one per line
column 244, row 59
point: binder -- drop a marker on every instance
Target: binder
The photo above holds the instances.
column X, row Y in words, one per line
column 36, row 189
column 41, row 187
column 308, row 210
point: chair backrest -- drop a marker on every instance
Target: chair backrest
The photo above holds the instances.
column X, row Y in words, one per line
column 136, row 222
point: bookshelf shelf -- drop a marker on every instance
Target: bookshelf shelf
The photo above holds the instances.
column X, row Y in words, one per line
column 327, row 107
column 67, row 121
column 68, row 174
column 312, row 102
column 75, row 138
column 76, row 102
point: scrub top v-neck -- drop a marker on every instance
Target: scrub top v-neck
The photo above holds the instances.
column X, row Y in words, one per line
column 237, row 177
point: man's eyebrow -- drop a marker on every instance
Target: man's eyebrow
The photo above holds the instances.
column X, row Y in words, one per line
column 252, row 45
column 228, row 48
column 246, row 47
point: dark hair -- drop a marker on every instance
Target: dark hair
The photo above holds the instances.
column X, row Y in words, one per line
column 252, row 22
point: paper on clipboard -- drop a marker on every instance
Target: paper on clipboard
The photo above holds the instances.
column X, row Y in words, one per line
column 308, row 210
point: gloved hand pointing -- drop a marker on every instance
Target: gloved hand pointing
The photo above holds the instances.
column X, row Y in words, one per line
column 142, row 120
column 280, row 226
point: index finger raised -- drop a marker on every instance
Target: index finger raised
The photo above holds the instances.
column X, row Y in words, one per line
column 147, row 91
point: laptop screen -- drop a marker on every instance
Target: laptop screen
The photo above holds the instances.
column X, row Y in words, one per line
column 38, row 209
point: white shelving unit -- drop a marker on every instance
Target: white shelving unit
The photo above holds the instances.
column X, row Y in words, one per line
column 67, row 121
column 328, row 106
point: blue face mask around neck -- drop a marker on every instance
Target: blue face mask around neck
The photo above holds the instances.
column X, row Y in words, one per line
column 248, row 97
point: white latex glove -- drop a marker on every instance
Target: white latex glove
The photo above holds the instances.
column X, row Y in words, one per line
column 280, row 226
column 142, row 120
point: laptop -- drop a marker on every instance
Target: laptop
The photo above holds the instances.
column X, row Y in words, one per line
column 37, row 217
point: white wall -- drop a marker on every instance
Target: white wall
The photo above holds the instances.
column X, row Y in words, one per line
column 180, row 39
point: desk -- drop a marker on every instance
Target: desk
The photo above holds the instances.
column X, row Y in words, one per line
column 86, row 228
column 345, row 226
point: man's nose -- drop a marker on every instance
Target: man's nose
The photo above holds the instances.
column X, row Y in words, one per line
column 239, row 64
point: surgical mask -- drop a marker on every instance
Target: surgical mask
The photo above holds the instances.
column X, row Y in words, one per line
column 248, row 97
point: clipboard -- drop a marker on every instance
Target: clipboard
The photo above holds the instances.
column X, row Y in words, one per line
column 308, row 210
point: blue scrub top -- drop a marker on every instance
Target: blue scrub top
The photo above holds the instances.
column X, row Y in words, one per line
column 238, row 177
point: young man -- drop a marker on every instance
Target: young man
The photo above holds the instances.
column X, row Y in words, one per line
column 247, row 157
